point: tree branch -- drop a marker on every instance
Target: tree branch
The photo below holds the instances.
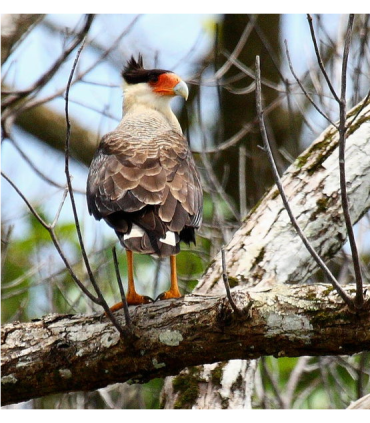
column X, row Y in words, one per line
column 49, row 126
column 66, row 353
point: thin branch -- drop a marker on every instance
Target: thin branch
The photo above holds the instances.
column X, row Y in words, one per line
column 35, row 168
column 81, row 75
column 359, row 299
column 101, row 301
column 242, row 180
column 265, row 373
column 20, row 101
column 28, row 204
column 121, row 289
column 65, row 193
column 304, row 239
column 226, row 282
column 16, row 96
column 319, row 60
column 54, row 239
column 294, row 378
column 5, row 242
column 68, row 176
column 309, row 98
column 238, row 48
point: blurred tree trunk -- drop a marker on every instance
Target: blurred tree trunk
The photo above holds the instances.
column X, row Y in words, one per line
column 49, row 126
column 237, row 110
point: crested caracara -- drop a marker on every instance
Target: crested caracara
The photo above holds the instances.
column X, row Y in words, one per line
column 143, row 180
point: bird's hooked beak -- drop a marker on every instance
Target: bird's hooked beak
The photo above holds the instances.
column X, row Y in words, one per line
column 181, row 89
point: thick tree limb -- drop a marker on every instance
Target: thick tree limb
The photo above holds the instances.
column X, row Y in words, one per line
column 67, row 353
column 362, row 403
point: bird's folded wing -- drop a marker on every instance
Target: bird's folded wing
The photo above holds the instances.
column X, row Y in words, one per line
column 127, row 174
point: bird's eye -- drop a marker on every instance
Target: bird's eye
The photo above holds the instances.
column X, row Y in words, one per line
column 153, row 78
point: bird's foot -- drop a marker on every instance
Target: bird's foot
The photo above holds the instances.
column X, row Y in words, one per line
column 169, row 294
column 133, row 299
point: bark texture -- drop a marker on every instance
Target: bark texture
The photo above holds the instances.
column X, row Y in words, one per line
column 361, row 404
column 223, row 385
column 67, row 353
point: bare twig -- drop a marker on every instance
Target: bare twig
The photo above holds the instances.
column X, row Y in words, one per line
column 35, row 168
column 65, row 193
column 16, row 96
column 294, row 378
column 101, row 301
column 319, row 60
column 266, row 374
column 5, row 242
column 342, row 129
column 304, row 239
column 303, row 88
column 121, row 289
column 239, row 47
column 226, row 282
column 246, row 129
column 68, row 176
column 242, row 178
column 359, row 299
column 54, row 238
column 28, row 204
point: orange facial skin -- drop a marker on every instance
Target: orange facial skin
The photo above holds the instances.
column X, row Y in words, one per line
column 165, row 84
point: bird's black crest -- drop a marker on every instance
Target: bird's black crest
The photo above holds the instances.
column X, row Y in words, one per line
column 134, row 72
column 133, row 65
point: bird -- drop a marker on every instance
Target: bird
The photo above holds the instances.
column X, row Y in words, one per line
column 143, row 180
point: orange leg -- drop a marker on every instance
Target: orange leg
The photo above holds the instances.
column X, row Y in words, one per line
column 174, row 291
column 132, row 296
